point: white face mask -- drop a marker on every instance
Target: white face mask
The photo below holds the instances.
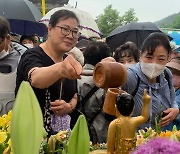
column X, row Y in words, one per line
column 3, row 54
column 152, row 70
column 28, row 45
column 129, row 65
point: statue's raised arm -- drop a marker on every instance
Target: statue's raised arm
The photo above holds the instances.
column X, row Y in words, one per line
column 121, row 132
column 145, row 110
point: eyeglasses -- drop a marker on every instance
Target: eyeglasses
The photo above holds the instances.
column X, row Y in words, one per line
column 66, row 31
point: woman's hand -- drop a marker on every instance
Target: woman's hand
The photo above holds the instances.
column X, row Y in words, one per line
column 43, row 77
column 70, row 68
column 171, row 114
column 60, row 107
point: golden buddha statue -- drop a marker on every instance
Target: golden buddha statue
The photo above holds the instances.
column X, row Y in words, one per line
column 121, row 132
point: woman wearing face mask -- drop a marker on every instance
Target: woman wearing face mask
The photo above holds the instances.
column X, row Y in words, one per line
column 149, row 74
column 27, row 40
column 127, row 54
column 174, row 66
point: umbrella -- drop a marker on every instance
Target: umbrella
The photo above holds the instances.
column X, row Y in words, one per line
column 23, row 17
column 27, row 27
column 176, row 37
column 20, row 10
column 135, row 32
column 88, row 25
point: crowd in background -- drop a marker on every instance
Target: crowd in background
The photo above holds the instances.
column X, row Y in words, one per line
column 54, row 66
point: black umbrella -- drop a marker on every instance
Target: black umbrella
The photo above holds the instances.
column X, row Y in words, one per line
column 23, row 17
column 27, row 27
column 20, row 10
column 135, row 32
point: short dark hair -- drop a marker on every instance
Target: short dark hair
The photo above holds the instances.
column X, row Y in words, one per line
column 34, row 35
column 127, row 49
column 61, row 15
column 154, row 40
column 29, row 37
column 125, row 104
column 95, row 52
column 4, row 27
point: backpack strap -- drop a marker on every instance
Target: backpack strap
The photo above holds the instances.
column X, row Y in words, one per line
column 84, row 101
column 177, row 89
column 98, row 111
column 137, row 86
column 167, row 77
column 88, row 95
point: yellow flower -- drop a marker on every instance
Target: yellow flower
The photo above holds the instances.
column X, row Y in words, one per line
column 140, row 140
column 3, row 137
column 8, row 129
column 166, row 134
column 9, row 143
column 8, row 117
column 61, row 135
column 10, row 146
column 2, row 122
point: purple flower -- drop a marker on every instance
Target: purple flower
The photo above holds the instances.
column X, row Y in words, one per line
column 159, row 146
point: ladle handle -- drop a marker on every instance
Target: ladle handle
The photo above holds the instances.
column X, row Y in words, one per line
column 87, row 73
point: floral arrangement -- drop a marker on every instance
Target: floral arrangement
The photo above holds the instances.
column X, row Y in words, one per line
column 144, row 136
column 147, row 140
column 98, row 146
column 160, row 146
column 150, row 141
column 56, row 143
column 14, row 129
column 5, row 141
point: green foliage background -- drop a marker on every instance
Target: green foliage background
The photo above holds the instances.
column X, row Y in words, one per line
column 110, row 19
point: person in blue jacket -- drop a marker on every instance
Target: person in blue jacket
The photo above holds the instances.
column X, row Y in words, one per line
column 149, row 74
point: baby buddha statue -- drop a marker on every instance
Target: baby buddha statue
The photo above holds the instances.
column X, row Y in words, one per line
column 121, row 132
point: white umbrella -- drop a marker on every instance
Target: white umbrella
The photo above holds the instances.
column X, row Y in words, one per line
column 88, row 25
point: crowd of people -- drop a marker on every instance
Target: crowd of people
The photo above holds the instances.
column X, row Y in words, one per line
column 54, row 70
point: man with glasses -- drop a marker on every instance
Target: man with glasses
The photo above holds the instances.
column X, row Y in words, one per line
column 10, row 53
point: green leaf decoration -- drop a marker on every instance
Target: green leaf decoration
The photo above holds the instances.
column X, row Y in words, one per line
column 27, row 122
column 52, row 144
column 79, row 140
column 148, row 133
column 174, row 128
column 157, row 127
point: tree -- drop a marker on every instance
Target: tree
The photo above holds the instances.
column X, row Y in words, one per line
column 171, row 23
column 111, row 19
column 129, row 16
column 176, row 23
